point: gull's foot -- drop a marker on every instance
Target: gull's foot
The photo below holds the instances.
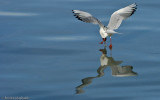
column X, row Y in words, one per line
column 110, row 46
column 101, row 42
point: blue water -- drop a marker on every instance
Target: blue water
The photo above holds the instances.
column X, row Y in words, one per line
column 47, row 54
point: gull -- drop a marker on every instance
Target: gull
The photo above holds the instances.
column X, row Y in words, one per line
column 115, row 21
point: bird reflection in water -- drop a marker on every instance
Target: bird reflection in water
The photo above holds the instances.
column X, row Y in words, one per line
column 117, row 70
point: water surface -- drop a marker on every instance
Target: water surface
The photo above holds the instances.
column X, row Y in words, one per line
column 47, row 54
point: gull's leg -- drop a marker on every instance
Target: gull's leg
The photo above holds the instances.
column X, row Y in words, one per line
column 110, row 46
column 104, row 40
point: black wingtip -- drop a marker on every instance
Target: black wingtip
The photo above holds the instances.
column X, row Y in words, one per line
column 72, row 11
column 133, row 11
column 135, row 8
column 76, row 15
column 136, row 5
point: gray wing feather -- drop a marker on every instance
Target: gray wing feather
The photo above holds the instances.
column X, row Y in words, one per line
column 86, row 17
column 118, row 16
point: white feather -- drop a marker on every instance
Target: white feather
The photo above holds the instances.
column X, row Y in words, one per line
column 118, row 16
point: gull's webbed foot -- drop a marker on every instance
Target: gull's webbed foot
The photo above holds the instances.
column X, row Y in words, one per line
column 110, row 46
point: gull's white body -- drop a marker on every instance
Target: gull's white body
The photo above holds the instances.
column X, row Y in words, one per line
column 102, row 32
column 116, row 19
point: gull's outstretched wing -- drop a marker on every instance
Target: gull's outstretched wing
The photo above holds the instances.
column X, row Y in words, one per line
column 118, row 16
column 86, row 17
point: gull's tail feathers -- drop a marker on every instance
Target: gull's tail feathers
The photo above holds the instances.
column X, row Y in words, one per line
column 111, row 32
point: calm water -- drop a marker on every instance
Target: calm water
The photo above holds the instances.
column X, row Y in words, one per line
column 47, row 54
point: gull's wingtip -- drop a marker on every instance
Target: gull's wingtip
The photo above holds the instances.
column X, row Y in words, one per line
column 75, row 11
column 134, row 4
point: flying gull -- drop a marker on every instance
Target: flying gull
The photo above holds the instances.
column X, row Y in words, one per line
column 115, row 21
